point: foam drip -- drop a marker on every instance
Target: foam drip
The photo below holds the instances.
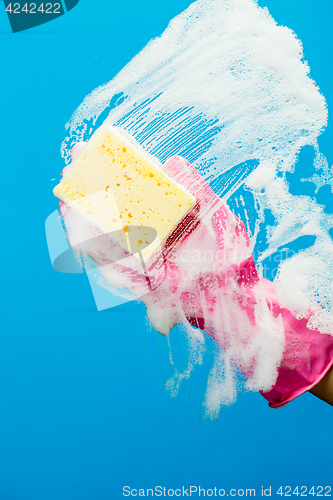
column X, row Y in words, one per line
column 221, row 385
column 196, row 350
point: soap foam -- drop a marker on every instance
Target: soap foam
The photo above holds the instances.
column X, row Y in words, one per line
column 224, row 85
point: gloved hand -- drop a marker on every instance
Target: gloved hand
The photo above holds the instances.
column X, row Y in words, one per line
column 210, row 280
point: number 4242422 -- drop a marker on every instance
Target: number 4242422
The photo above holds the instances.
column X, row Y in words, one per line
column 303, row 491
column 31, row 8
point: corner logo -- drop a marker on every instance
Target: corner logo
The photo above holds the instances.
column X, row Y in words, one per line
column 25, row 15
column 64, row 260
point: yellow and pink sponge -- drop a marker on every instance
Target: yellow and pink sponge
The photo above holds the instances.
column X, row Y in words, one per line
column 116, row 185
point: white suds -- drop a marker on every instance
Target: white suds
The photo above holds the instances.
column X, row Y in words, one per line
column 228, row 90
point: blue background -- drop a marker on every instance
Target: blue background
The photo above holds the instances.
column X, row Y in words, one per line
column 83, row 410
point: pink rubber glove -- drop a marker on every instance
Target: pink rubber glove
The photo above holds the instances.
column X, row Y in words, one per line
column 307, row 354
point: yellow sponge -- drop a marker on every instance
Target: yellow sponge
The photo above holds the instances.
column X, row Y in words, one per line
column 116, row 185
